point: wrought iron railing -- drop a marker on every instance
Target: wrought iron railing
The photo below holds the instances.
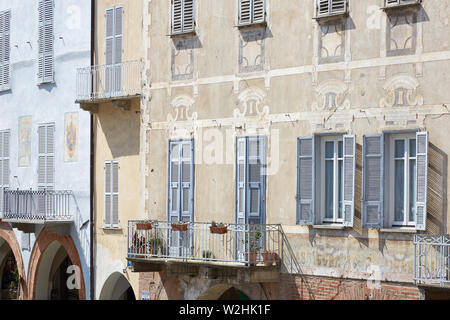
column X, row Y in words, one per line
column 42, row 205
column 246, row 244
column 432, row 259
column 109, row 81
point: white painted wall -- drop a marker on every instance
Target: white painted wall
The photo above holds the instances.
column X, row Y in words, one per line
column 49, row 103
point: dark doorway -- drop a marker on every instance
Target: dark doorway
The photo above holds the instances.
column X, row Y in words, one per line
column 233, row 294
column 59, row 288
column 10, row 279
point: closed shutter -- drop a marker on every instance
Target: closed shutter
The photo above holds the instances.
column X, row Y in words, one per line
column 255, row 180
column 373, row 172
column 183, row 16
column 306, row 183
column 46, row 170
column 393, row 3
column 46, row 42
column 4, row 167
column 25, row 241
column 330, row 7
column 422, row 180
column 112, row 194
column 114, row 51
column 349, row 179
column 5, row 49
column 252, row 11
column 241, row 178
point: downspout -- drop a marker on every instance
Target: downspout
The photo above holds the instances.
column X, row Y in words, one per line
column 92, row 164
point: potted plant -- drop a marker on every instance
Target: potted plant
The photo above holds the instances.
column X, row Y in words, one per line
column 218, row 228
column 138, row 246
column 144, row 225
column 179, row 226
column 207, row 255
column 269, row 258
column 253, row 245
column 154, row 245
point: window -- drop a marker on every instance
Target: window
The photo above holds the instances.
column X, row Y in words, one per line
column 183, row 16
column 399, row 3
column 252, row 12
column 395, row 169
column 250, row 180
column 113, row 52
column 46, row 42
column 4, row 165
column 112, row 194
column 5, row 49
column 326, row 180
column 326, row 8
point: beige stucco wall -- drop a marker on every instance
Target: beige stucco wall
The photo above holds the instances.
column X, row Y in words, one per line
column 292, row 86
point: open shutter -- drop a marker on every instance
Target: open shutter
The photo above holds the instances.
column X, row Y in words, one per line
column 241, row 173
column 422, row 180
column 349, row 179
column 187, row 185
column 245, row 12
column 255, row 180
column 46, row 42
column 115, row 194
column 373, row 172
column 306, row 173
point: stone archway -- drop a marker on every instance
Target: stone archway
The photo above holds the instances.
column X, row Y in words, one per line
column 8, row 235
column 117, row 287
column 223, row 292
column 46, row 240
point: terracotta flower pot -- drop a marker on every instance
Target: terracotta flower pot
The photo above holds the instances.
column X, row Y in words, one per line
column 269, row 258
column 179, row 227
column 144, row 226
column 251, row 257
column 219, row 230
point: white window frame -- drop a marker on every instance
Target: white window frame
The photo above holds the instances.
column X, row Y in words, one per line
column 407, row 182
column 335, row 159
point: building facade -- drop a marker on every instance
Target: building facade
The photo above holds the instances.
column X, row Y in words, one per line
column 315, row 130
column 45, row 151
column 110, row 89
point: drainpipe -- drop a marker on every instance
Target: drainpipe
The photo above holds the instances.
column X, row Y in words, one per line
column 92, row 164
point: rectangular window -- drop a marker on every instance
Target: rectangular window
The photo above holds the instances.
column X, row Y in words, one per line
column 112, row 194
column 182, row 16
column 326, row 8
column 46, row 42
column 252, row 12
column 5, row 49
column 114, row 51
column 4, row 166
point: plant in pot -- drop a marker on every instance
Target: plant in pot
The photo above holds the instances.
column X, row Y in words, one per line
column 154, row 244
column 207, row 255
column 218, row 228
column 179, row 226
column 253, row 245
column 144, row 225
column 269, row 258
column 138, row 245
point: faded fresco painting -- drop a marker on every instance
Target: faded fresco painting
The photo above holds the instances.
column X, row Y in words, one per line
column 71, row 137
column 25, row 141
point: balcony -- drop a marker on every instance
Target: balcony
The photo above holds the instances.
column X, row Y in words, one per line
column 117, row 83
column 38, row 207
column 257, row 248
column 432, row 260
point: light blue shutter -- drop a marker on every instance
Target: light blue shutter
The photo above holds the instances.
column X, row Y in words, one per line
column 349, row 179
column 174, row 181
column 306, row 181
column 5, row 68
column 256, row 180
column 422, row 180
column 187, row 181
column 46, row 42
column 4, row 166
column 373, row 175
column 241, row 178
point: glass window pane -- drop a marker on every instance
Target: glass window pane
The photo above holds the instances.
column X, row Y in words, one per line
column 186, row 151
column 412, row 148
column 341, row 149
column 329, row 194
column 175, row 151
column 241, row 171
column 255, row 172
column 241, row 200
column 341, row 188
column 186, row 172
column 185, row 199
column 412, row 190
column 241, row 148
column 399, row 190
column 174, row 172
column 253, row 148
column 399, row 148
column 174, row 199
column 329, row 149
column 254, row 207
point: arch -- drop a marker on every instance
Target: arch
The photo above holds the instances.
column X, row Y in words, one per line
column 48, row 240
column 218, row 291
column 115, row 287
column 8, row 235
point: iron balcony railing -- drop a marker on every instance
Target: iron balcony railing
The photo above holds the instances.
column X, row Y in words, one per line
column 242, row 244
column 109, row 81
column 432, row 259
column 42, row 205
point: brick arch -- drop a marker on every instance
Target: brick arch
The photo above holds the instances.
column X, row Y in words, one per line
column 44, row 240
column 7, row 234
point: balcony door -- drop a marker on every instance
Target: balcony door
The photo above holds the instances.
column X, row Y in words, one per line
column 113, row 52
column 250, row 194
column 181, row 195
column 46, row 170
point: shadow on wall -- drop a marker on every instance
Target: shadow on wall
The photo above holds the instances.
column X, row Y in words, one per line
column 121, row 129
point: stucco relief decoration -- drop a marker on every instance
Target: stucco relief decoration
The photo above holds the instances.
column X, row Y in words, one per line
column 24, row 141
column 331, row 95
column 401, row 34
column 182, row 117
column 332, row 41
column 71, row 137
column 401, row 91
column 251, row 51
column 251, row 106
column 182, row 59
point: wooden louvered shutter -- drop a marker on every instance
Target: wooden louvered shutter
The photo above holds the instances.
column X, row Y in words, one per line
column 373, row 172
column 330, row 7
column 306, row 181
column 259, row 11
column 5, row 49
column 422, row 180
column 349, row 179
column 4, row 166
column 46, row 42
column 252, row 11
column 108, row 194
column 241, row 178
column 46, row 157
column 183, row 16
column 187, row 182
column 394, row 3
column 188, row 16
column 245, row 12
column 115, row 194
